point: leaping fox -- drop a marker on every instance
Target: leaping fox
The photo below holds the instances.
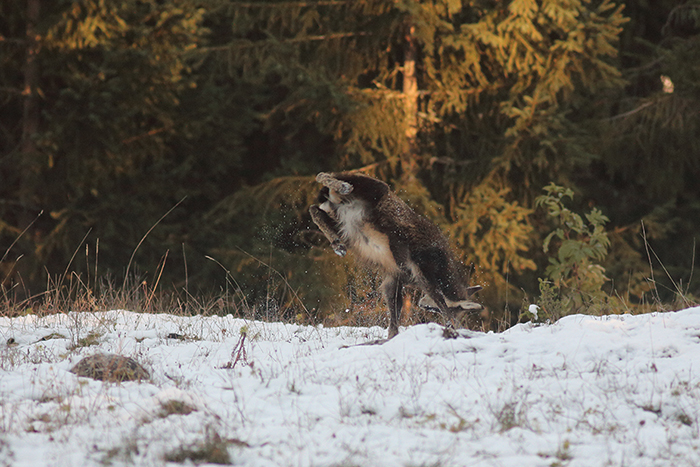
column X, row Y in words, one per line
column 361, row 214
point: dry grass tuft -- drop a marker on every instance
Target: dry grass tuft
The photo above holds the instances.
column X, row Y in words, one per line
column 110, row 367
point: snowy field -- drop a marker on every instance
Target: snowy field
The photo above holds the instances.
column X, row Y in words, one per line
column 586, row 391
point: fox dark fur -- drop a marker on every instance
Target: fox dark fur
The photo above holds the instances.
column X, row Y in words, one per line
column 361, row 214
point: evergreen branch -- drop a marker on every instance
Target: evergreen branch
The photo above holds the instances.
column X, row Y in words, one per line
column 339, row 35
column 646, row 66
column 292, row 4
column 144, row 135
column 449, row 161
column 677, row 10
column 249, row 44
column 13, row 40
column 633, row 111
column 370, row 169
column 391, row 93
column 10, row 90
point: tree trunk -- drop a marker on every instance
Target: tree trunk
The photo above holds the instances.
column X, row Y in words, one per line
column 409, row 162
column 26, row 212
column 30, row 115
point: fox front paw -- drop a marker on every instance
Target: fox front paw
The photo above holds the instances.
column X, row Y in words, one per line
column 339, row 248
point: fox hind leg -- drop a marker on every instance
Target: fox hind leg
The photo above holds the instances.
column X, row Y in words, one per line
column 393, row 295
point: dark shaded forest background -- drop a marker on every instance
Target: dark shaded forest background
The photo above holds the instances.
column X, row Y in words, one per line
column 173, row 144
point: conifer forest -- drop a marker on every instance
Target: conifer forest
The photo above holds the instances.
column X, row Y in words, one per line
column 169, row 148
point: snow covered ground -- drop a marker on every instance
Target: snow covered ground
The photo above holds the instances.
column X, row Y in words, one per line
column 586, row 391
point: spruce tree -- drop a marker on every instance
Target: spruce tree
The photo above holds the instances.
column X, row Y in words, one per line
column 647, row 175
column 467, row 108
column 94, row 137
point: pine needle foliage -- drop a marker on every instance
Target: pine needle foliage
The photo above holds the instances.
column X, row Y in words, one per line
column 111, row 147
column 467, row 108
column 496, row 87
column 498, row 231
column 136, row 116
column 648, row 166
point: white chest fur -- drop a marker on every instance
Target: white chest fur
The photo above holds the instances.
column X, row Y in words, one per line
column 366, row 241
column 351, row 219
